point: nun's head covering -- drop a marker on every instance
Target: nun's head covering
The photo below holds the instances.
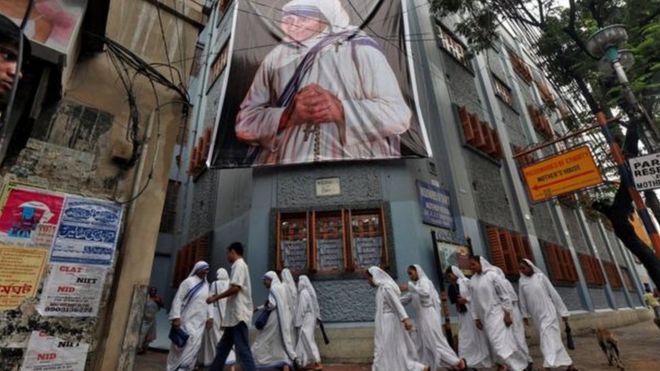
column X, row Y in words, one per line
column 383, row 280
column 332, row 11
column 287, row 277
column 222, row 275
column 199, row 266
column 458, row 272
column 272, row 277
column 304, row 284
column 531, row 265
column 420, row 272
column 486, row 267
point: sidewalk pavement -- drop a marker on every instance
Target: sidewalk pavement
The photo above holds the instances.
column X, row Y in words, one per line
column 639, row 345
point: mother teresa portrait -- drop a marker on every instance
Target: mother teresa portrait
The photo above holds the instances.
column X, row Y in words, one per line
column 325, row 93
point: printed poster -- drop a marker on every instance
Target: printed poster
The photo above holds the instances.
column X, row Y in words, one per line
column 87, row 233
column 29, row 216
column 50, row 353
column 20, row 274
column 72, row 290
column 318, row 80
column 435, row 203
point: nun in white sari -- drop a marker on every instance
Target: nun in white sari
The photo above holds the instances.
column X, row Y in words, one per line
column 213, row 335
column 492, row 309
column 432, row 346
column 308, row 314
column 292, row 291
column 192, row 314
column 394, row 348
column 273, row 346
column 540, row 301
column 472, row 342
column 327, row 92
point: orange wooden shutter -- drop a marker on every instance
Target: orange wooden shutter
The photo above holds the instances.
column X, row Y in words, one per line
column 553, row 261
column 495, row 246
column 479, row 139
column 496, row 143
column 488, row 144
column 468, row 133
column 510, row 258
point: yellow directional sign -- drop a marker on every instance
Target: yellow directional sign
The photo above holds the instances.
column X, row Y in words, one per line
column 564, row 173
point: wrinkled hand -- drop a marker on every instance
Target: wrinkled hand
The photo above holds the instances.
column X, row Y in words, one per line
column 477, row 322
column 403, row 287
column 209, row 323
column 407, row 323
column 176, row 322
column 461, row 300
column 507, row 319
column 313, row 105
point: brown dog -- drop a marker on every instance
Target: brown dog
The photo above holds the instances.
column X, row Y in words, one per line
column 609, row 344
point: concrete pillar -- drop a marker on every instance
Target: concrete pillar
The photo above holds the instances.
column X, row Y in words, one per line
column 627, row 255
column 117, row 347
column 610, row 250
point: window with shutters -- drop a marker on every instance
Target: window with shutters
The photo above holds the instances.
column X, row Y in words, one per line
column 520, row 67
column 168, row 216
column 613, row 275
column 479, row 135
column 507, row 248
column 199, row 154
column 331, row 242
column 560, row 264
column 502, row 91
column 592, row 271
column 453, row 46
column 627, row 279
column 186, row 258
column 545, row 93
column 540, row 122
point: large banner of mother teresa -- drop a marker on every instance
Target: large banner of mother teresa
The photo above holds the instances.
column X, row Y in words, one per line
column 318, row 80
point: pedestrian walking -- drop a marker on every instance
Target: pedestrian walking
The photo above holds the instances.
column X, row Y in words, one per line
column 492, row 306
column 292, row 291
column 273, row 347
column 148, row 329
column 540, row 301
column 308, row 314
column 472, row 342
column 190, row 313
column 238, row 313
column 218, row 310
column 652, row 301
column 393, row 347
column 432, row 346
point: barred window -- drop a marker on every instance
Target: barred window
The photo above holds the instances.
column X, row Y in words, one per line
column 452, row 45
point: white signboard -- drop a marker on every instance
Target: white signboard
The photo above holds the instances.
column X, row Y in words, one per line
column 72, row 290
column 328, row 187
column 49, row 353
column 646, row 171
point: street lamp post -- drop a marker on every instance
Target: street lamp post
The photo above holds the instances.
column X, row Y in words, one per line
column 606, row 44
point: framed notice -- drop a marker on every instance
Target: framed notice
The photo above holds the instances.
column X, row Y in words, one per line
column 435, row 204
column 368, row 251
column 453, row 254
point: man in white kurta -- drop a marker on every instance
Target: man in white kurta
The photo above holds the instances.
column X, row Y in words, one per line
column 191, row 313
column 393, row 347
column 541, row 302
column 432, row 346
column 472, row 342
column 308, row 313
column 273, row 346
column 326, row 92
column 492, row 310
column 213, row 335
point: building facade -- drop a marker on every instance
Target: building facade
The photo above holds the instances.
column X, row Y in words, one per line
column 329, row 220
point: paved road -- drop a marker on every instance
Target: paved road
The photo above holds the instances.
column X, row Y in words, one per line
column 639, row 344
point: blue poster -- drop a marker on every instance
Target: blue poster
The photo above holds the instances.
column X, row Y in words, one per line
column 87, row 233
column 435, row 203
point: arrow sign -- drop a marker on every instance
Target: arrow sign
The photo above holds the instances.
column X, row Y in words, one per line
column 564, row 173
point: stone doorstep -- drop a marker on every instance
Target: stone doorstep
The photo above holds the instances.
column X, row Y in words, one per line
column 355, row 345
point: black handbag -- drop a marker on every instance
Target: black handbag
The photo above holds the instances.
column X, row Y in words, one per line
column 262, row 319
column 178, row 336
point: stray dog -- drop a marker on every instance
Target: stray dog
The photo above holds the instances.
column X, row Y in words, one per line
column 609, row 344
